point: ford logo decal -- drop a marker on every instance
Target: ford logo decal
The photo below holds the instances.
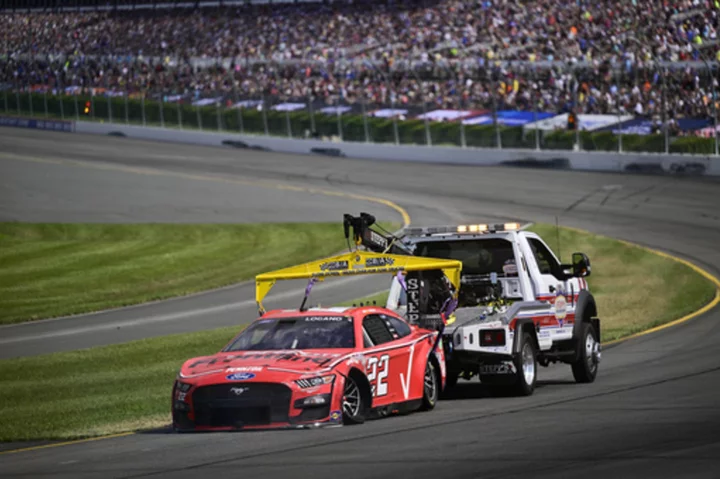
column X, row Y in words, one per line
column 240, row 376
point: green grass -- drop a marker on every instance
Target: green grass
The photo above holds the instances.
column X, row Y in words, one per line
column 125, row 387
column 635, row 289
column 379, row 298
column 51, row 270
column 100, row 390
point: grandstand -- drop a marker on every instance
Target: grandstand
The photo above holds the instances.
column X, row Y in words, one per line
column 109, row 5
column 644, row 60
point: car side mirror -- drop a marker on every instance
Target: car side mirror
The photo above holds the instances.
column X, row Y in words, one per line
column 580, row 265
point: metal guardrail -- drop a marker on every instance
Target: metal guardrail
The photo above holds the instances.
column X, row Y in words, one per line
column 648, row 163
column 264, row 116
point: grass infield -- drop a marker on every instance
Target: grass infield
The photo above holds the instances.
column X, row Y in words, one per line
column 635, row 289
column 124, row 387
column 51, row 270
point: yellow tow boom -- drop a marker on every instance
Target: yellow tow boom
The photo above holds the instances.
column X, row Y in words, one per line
column 354, row 263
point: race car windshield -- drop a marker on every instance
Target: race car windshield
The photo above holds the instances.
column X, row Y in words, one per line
column 478, row 256
column 308, row 332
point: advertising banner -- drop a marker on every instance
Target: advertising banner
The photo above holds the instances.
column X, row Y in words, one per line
column 388, row 112
column 586, row 122
column 645, row 126
column 509, row 118
column 708, row 132
column 248, row 104
column 334, row 110
column 288, row 106
column 207, row 101
column 54, row 125
column 448, row 115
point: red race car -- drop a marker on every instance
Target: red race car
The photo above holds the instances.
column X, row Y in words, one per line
column 321, row 366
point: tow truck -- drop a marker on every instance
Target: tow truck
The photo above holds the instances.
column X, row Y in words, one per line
column 518, row 306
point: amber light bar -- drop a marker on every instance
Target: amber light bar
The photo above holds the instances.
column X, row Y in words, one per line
column 466, row 229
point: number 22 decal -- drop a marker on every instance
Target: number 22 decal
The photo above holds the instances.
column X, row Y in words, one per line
column 378, row 368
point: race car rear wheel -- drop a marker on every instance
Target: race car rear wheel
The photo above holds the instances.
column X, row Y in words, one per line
column 526, row 365
column 353, row 407
column 431, row 387
column 586, row 367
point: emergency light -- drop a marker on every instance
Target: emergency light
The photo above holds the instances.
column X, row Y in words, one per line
column 464, row 229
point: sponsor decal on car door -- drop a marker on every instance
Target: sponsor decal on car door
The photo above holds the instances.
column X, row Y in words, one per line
column 389, row 371
column 388, row 367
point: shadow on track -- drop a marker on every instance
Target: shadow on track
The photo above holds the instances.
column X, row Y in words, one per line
column 473, row 389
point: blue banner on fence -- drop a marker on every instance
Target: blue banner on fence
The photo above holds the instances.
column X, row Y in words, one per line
column 643, row 126
column 509, row 118
column 55, row 125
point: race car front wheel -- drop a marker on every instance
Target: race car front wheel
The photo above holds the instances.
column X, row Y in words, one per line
column 431, row 387
column 586, row 367
column 353, row 407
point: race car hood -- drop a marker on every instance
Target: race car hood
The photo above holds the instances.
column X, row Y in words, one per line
column 300, row 361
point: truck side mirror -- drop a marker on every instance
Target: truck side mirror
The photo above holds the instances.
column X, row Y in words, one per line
column 580, row 265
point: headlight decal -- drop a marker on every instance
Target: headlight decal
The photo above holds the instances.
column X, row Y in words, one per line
column 316, row 381
column 183, row 387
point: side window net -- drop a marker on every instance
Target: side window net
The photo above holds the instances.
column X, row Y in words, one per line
column 398, row 328
column 377, row 329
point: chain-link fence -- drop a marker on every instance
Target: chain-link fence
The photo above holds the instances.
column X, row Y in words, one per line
column 650, row 108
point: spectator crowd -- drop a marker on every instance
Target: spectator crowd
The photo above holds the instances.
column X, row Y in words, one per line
column 581, row 30
column 550, row 55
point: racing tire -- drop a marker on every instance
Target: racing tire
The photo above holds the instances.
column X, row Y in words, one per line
column 431, row 387
column 526, row 364
column 586, row 367
column 353, row 403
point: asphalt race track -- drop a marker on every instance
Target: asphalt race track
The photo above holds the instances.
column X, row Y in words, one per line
column 653, row 412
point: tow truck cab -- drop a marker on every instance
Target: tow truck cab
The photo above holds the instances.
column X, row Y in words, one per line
column 519, row 306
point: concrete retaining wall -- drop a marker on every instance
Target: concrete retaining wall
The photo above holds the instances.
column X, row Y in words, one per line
column 696, row 165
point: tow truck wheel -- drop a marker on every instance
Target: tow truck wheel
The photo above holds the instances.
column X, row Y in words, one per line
column 526, row 364
column 586, row 367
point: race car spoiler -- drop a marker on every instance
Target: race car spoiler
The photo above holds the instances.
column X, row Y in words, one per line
column 355, row 263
